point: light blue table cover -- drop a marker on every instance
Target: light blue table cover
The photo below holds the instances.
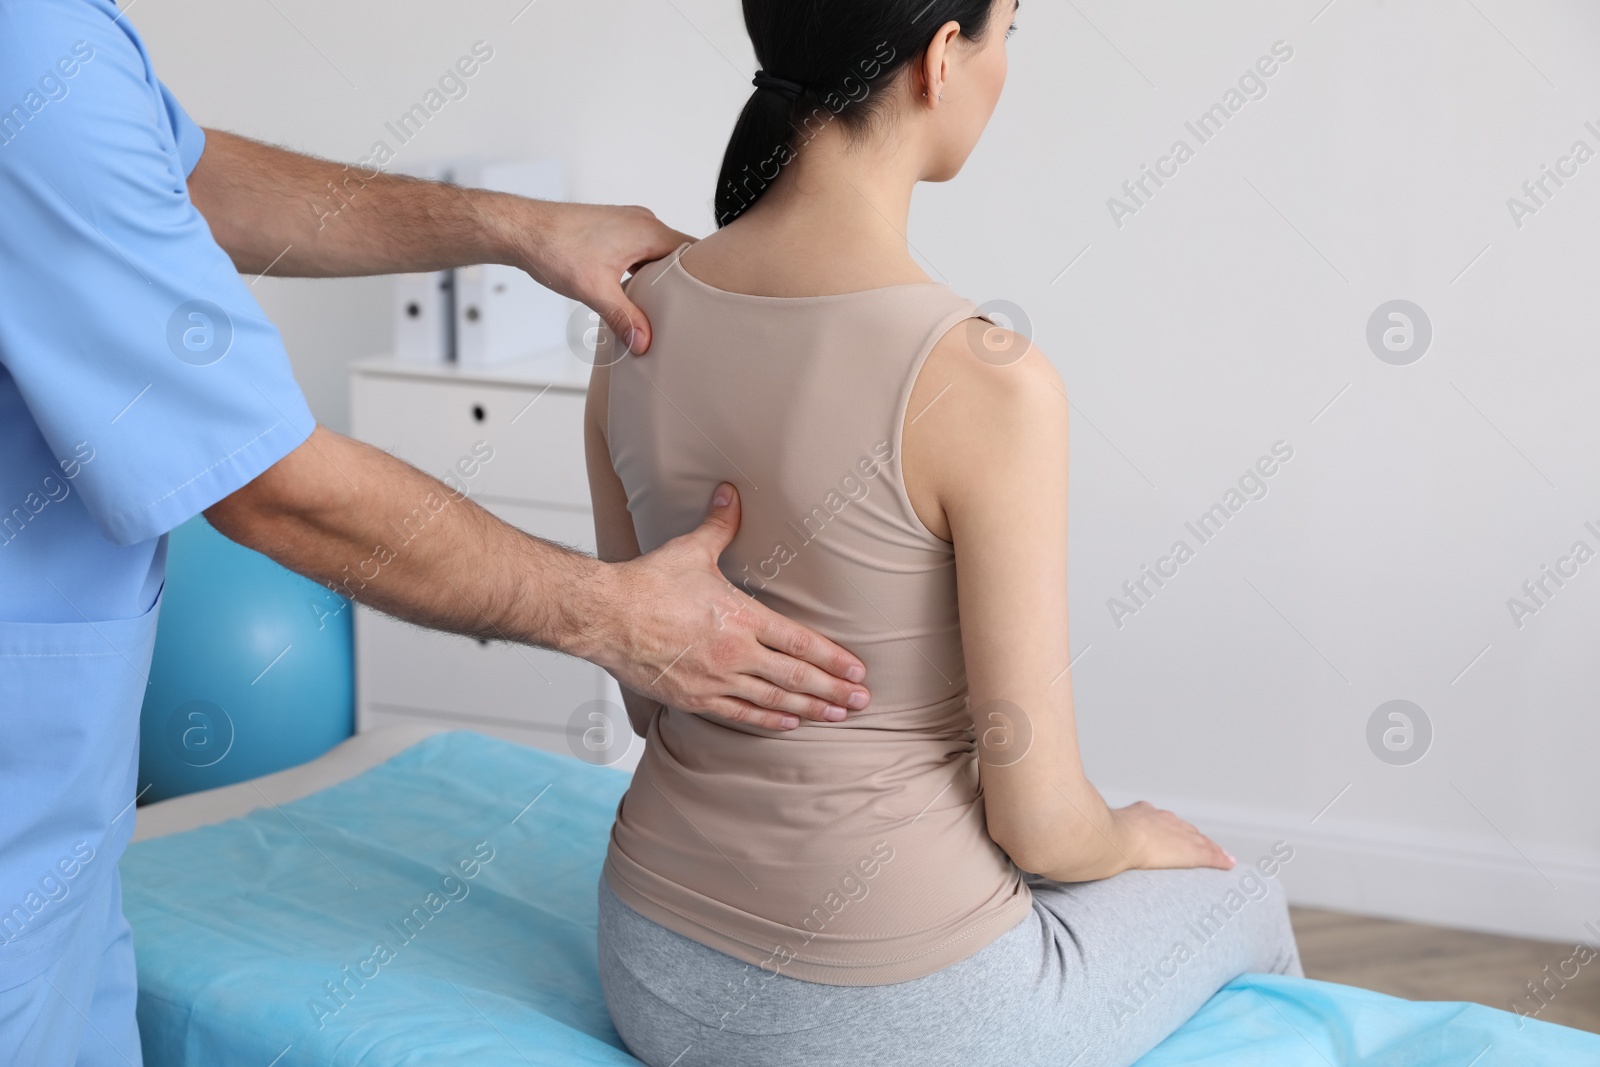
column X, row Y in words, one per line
column 243, row 928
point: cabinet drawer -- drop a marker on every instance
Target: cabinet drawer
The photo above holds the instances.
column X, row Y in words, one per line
column 536, row 434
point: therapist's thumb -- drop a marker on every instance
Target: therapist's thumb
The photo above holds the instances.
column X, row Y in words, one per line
column 721, row 522
column 628, row 324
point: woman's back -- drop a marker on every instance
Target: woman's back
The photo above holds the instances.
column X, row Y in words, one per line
column 849, row 853
column 893, row 453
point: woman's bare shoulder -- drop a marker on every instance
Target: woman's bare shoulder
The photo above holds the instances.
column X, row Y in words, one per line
column 1000, row 373
column 985, row 397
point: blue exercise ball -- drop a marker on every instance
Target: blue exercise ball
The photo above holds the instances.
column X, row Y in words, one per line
column 252, row 669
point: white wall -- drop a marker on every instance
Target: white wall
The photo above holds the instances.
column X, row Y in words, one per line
column 1221, row 318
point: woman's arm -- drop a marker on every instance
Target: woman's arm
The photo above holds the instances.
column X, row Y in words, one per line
column 985, row 459
column 772, row 670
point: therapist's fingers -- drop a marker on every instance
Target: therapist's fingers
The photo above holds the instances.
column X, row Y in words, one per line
column 628, row 324
column 788, row 682
column 782, row 683
column 716, row 531
column 799, row 647
column 588, row 248
column 809, row 671
column 742, row 711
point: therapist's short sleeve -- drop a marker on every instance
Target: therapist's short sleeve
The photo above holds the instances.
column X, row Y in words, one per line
column 186, row 133
column 135, row 344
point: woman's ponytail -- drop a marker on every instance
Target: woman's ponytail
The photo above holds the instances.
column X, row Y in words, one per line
column 758, row 150
column 823, row 61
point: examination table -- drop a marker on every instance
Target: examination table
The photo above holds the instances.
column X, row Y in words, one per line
column 415, row 897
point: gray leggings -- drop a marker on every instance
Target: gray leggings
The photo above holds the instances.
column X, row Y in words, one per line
column 1096, row 976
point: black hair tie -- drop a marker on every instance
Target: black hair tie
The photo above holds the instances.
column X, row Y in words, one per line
column 763, row 80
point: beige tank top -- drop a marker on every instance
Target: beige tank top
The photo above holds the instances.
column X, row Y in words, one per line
column 852, row 853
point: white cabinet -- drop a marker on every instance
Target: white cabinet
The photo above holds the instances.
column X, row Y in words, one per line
column 514, row 442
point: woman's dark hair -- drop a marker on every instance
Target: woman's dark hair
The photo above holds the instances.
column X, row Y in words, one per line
column 837, row 54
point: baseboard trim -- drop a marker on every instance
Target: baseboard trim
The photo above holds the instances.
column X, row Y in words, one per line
column 1382, row 872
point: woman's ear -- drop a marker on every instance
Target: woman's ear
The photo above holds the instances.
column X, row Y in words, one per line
column 936, row 63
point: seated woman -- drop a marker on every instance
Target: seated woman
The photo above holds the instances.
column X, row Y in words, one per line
column 931, row 879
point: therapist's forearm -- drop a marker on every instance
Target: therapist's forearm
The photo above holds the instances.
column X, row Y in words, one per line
column 667, row 625
column 311, row 218
column 286, row 214
column 386, row 534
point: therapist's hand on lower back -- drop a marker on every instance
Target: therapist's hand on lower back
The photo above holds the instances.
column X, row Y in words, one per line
column 667, row 624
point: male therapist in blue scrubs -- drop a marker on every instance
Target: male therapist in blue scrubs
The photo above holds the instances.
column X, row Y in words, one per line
column 140, row 384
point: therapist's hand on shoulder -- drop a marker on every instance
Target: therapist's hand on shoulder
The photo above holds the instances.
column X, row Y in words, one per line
column 582, row 250
column 364, row 221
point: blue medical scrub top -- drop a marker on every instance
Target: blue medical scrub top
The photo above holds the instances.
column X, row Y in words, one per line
column 140, row 383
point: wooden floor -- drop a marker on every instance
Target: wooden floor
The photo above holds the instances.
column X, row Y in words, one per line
column 1434, row 963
